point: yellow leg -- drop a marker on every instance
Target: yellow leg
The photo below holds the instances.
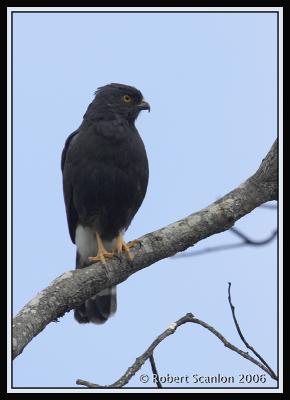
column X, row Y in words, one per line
column 121, row 246
column 102, row 252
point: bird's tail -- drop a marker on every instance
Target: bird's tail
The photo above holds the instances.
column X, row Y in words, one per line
column 98, row 308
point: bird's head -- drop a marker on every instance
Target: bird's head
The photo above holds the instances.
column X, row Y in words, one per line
column 117, row 101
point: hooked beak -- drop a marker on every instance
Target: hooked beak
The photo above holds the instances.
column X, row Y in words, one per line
column 144, row 105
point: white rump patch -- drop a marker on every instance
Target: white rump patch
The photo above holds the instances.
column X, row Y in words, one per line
column 86, row 243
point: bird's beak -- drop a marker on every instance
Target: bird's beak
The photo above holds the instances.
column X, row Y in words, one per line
column 144, row 105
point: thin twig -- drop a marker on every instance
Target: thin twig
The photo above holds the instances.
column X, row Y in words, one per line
column 253, row 242
column 245, row 242
column 131, row 371
column 154, row 370
column 271, row 372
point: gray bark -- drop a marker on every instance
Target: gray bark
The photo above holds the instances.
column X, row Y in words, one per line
column 72, row 288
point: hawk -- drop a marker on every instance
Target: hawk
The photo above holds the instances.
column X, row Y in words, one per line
column 105, row 176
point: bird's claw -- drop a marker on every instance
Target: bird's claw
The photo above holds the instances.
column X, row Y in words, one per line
column 121, row 246
column 101, row 257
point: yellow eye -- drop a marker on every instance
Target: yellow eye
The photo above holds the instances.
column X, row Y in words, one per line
column 127, row 98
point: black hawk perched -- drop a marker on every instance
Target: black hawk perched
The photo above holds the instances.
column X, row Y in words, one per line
column 105, row 177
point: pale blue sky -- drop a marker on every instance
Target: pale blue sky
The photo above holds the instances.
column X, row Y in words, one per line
column 211, row 82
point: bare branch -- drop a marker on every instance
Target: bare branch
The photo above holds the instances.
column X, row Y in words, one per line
column 154, row 370
column 271, row 372
column 136, row 366
column 253, row 242
column 73, row 287
column 246, row 242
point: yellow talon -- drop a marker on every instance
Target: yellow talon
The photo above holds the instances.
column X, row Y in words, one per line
column 102, row 252
column 101, row 257
column 122, row 246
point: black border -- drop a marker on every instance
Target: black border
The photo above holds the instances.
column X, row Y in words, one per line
column 4, row 181
column 278, row 238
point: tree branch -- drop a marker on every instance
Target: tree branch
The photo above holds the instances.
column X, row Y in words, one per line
column 131, row 371
column 246, row 241
column 154, row 371
column 271, row 372
column 253, row 242
column 72, row 288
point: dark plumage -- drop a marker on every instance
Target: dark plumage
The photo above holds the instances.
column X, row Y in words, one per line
column 105, row 176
